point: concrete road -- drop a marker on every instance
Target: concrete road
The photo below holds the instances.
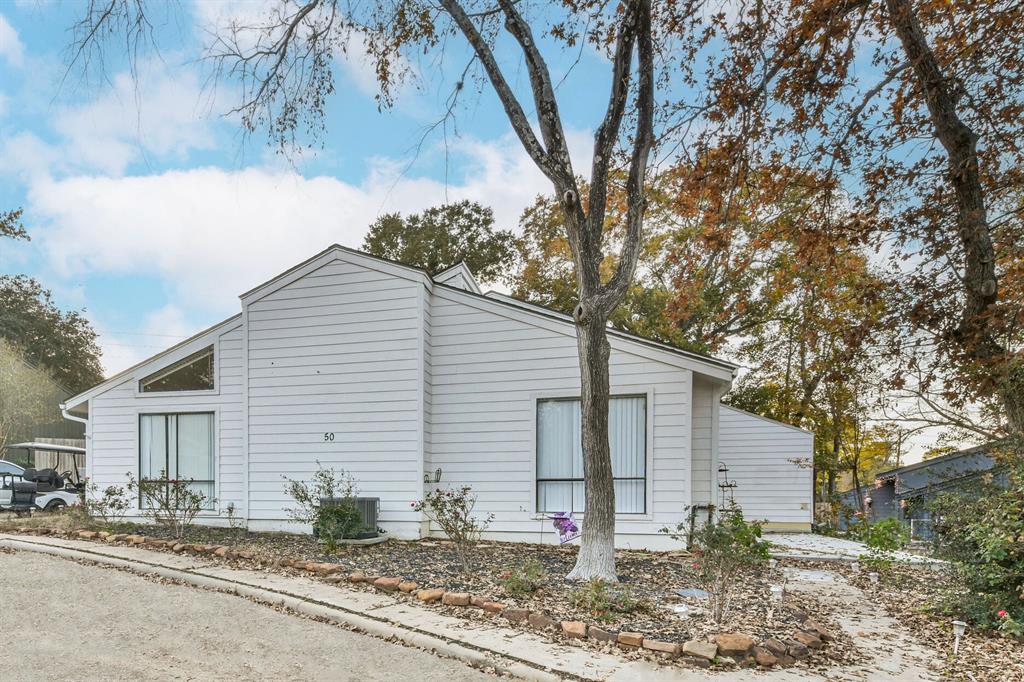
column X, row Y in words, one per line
column 60, row 620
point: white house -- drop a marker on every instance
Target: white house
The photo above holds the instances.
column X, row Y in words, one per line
column 400, row 379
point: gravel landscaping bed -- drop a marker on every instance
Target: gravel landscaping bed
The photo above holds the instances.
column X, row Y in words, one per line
column 783, row 634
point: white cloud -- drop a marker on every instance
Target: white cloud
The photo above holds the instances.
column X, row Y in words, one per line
column 163, row 114
column 211, row 234
column 11, row 48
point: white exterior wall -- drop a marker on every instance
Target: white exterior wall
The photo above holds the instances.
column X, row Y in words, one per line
column 114, row 421
column 337, row 351
column 489, row 369
column 760, row 454
column 701, row 443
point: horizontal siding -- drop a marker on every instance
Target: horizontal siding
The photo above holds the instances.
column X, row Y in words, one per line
column 486, row 372
column 336, row 351
column 761, row 457
column 114, row 424
column 703, row 399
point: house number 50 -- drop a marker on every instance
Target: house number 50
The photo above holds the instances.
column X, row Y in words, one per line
column 328, row 437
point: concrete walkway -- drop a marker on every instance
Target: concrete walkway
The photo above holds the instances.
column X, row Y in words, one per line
column 809, row 546
column 887, row 649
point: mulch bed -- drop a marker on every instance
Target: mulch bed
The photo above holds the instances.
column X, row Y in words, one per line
column 649, row 577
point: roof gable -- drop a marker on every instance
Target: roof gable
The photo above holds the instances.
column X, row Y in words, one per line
column 169, row 356
column 459, row 275
column 331, row 253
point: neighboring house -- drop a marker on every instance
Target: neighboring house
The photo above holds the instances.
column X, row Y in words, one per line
column 403, row 380
column 905, row 493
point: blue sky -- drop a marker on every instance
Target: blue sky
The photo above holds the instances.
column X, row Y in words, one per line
column 148, row 210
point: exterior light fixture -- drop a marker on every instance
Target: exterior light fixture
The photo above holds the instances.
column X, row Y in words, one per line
column 959, row 628
column 873, row 577
column 772, row 563
column 855, row 566
column 777, row 591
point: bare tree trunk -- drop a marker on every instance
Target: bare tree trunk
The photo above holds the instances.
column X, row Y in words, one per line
column 975, row 335
column 596, row 559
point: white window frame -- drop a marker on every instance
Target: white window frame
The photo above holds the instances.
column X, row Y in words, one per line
column 616, row 391
column 172, row 358
column 172, row 408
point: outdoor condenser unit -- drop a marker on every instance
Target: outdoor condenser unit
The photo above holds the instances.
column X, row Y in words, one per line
column 367, row 506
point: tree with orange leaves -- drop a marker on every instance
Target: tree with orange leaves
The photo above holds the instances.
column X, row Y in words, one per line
column 909, row 111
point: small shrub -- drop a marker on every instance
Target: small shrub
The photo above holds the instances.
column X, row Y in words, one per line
column 169, row 502
column 604, row 602
column 883, row 539
column 330, row 522
column 339, row 521
column 109, row 506
column 327, row 483
column 525, row 579
column 234, row 523
column 452, row 510
column 722, row 549
column 1009, row 626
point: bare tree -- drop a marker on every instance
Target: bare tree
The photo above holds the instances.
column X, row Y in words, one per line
column 284, row 66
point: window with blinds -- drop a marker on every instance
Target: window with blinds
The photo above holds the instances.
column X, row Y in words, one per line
column 560, row 454
column 178, row 447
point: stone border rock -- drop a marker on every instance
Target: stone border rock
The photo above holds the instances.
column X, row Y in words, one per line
column 726, row 649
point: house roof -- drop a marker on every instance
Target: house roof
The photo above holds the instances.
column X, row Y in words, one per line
column 937, row 461
column 412, row 272
column 563, row 317
column 768, row 419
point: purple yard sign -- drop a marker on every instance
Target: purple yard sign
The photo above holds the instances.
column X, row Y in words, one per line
column 565, row 524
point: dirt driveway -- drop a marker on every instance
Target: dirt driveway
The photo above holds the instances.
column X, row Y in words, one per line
column 60, row 620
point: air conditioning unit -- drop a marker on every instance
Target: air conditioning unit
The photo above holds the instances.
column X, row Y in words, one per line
column 367, row 506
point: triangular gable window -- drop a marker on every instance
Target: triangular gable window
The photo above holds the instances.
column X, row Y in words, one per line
column 194, row 373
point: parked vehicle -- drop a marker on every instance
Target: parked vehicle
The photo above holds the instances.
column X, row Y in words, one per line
column 49, row 490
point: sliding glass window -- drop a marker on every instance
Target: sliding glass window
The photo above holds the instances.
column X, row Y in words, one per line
column 176, row 447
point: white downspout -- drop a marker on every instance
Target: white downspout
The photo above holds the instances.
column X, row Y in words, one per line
column 88, row 437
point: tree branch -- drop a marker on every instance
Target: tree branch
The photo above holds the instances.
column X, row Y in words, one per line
column 635, row 192
column 513, row 109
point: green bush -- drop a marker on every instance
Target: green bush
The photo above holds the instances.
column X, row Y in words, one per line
column 723, row 549
column 883, row 538
column 604, row 602
column 339, row 521
column 331, row 522
column 981, row 531
column 525, row 579
column 887, row 535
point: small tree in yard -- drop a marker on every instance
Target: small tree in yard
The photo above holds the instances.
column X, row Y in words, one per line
column 169, row 502
column 452, row 510
column 723, row 548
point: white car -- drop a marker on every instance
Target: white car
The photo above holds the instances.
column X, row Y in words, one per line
column 48, row 500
